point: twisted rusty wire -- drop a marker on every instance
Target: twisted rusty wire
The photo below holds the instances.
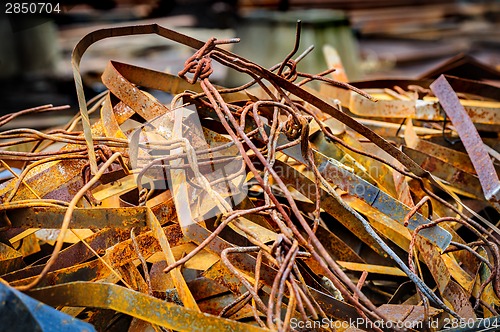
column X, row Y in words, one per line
column 199, row 69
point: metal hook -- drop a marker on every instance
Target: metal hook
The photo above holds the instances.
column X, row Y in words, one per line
column 295, row 47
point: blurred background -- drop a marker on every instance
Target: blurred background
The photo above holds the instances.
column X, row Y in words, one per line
column 372, row 38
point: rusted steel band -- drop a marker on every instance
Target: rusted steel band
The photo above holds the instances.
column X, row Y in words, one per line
column 148, row 108
column 74, row 254
column 119, row 254
column 469, row 136
column 428, row 109
column 135, row 304
column 111, row 123
column 465, row 182
column 116, row 72
column 458, row 84
column 176, row 275
column 473, row 87
column 152, row 79
column 52, row 217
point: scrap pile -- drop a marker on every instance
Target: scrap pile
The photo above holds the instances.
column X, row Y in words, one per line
column 267, row 206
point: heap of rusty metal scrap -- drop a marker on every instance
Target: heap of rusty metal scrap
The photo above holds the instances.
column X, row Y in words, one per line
column 266, row 206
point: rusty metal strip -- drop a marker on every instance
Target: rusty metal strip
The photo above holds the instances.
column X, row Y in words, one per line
column 458, row 84
column 434, row 261
column 89, row 271
column 52, row 217
column 135, row 304
column 426, row 109
column 146, row 107
column 117, row 77
column 75, row 254
column 467, row 183
column 177, row 277
column 111, row 122
column 117, row 255
column 456, row 158
column 57, row 181
column 371, row 268
column 470, row 138
column 459, row 300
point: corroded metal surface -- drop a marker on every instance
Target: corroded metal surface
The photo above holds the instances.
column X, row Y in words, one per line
column 51, row 217
column 470, row 138
column 147, row 308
